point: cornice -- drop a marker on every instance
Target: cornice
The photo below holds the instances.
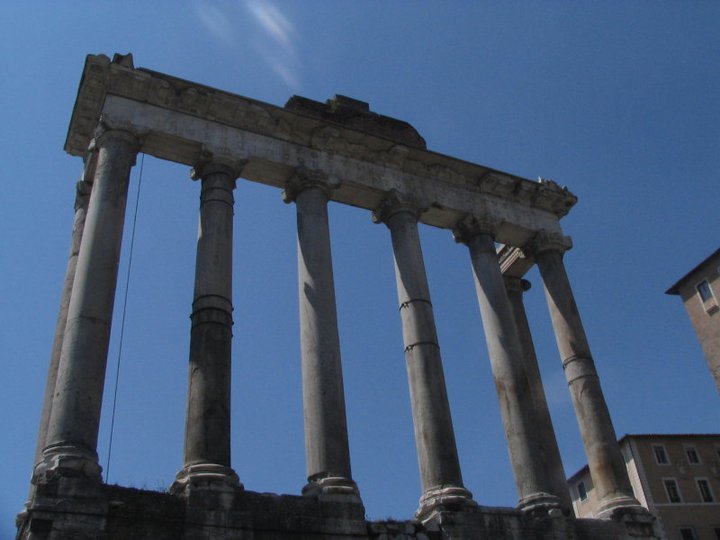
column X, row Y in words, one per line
column 103, row 77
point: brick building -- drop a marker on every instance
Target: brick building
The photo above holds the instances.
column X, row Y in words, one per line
column 676, row 477
column 699, row 290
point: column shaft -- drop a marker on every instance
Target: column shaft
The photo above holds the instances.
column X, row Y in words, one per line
column 207, row 425
column 82, row 197
column 605, row 461
column 557, row 483
column 440, row 474
column 326, row 438
column 75, row 416
column 511, row 380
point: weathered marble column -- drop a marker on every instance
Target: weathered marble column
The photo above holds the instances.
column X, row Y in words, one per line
column 207, row 421
column 71, row 442
column 82, row 197
column 605, row 461
column 557, row 483
column 511, row 380
column 326, row 439
column 440, row 474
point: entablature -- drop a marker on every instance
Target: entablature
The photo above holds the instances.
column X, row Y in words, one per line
column 185, row 122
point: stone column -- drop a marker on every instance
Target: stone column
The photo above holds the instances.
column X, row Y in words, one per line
column 71, row 442
column 557, row 483
column 207, row 421
column 511, row 380
column 82, row 197
column 440, row 474
column 326, row 440
column 605, row 461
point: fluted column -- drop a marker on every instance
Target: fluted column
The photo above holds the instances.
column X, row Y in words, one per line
column 326, row 439
column 82, row 197
column 71, row 442
column 605, row 461
column 207, row 422
column 557, row 484
column 440, row 474
column 506, row 358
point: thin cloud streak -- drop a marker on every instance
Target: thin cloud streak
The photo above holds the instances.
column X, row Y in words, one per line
column 278, row 47
column 215, row 21
column 274, row 23
column 274, row 40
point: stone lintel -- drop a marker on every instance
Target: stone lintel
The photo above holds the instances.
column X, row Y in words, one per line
column 276, row 140
column 360, row 182
column 513, row 261
column 516, row 261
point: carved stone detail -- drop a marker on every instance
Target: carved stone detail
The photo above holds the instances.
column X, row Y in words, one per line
column 396, row 202
column 305, row 179
column 471, row 226
column 210, row 162
column 363, row 141
column 516, row 284
column 546, row 241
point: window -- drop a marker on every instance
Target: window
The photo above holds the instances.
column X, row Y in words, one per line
column 706, row 493
column 672, row 490
column 687, row 533
column 704, row 290
column 582, row 492
column 660, row 454
column 692, row 455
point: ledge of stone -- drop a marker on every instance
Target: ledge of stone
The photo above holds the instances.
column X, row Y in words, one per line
column 356, row 114
column 120, row 513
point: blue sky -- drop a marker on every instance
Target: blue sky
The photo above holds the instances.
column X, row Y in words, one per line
column 616, row 100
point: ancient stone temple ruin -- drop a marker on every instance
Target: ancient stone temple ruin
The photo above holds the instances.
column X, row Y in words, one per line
column 338, row 152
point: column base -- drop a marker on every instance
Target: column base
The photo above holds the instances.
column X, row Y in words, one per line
column 541, row 503
column 638, row 521
column 206, row 477
column 67, row 461
column 335, row 488
column 443, row 499
column 615, row 506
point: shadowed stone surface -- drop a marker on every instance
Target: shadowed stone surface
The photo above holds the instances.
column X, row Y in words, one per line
column 72, row 510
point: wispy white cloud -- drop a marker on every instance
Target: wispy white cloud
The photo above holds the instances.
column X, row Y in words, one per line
column 275, row 40
column 216, row 21
column 278, row 43
column 272, row 20
column 286, row 72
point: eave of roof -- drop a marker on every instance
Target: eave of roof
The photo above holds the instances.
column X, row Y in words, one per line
column 675, row 289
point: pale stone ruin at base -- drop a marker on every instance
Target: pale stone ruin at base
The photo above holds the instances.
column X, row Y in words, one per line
column 317, row 153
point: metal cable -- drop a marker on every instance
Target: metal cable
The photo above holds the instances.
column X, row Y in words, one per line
column 122, row 322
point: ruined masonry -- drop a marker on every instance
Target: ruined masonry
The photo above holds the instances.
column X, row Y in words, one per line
column 336, row 152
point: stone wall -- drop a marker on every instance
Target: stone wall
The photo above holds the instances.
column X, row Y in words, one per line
column 73, row 509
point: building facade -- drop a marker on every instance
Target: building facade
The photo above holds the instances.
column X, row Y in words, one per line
column 699, row 290
column 676, row 477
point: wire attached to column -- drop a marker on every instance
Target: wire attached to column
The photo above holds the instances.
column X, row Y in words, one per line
column 122, row 322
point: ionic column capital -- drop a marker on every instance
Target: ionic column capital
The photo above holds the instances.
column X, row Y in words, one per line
column 395, row 203
column 516, row 284
column 105, row 136
column 82, row 194
column 214, row 164
column 90, row 164
column 304, row 179
column 471, row 226
column 547, row 241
